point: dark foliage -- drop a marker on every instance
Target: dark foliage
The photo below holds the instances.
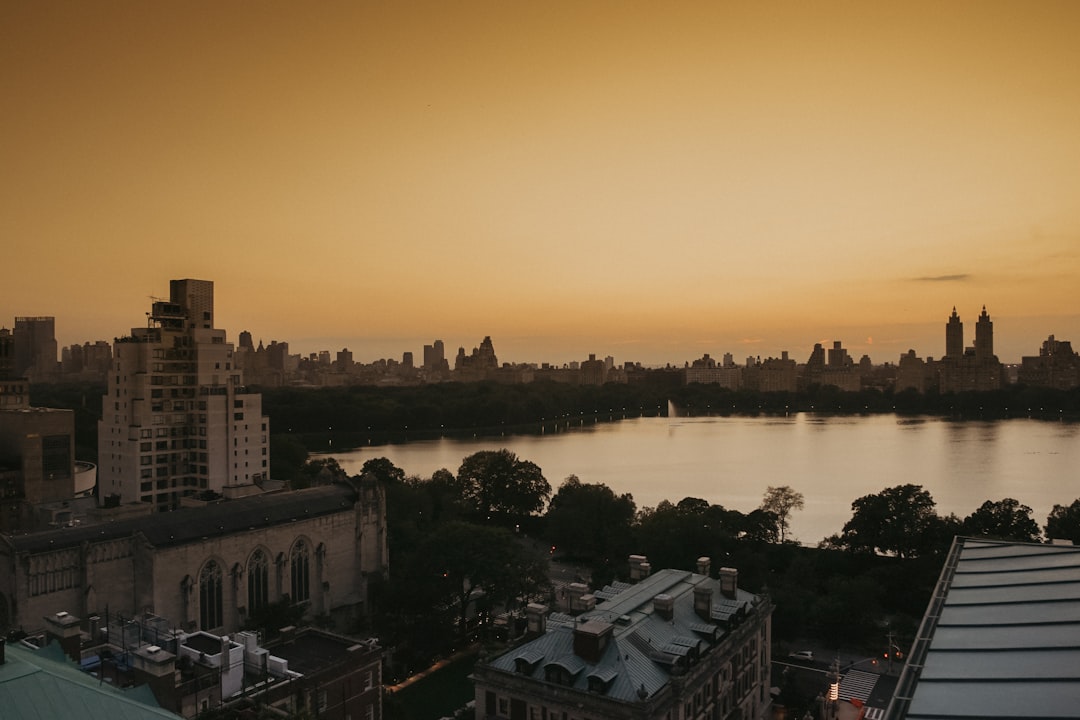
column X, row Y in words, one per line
column 1063, row 523
column 1002, row 520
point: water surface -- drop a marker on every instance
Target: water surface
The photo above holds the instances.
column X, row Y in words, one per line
column 831, row 460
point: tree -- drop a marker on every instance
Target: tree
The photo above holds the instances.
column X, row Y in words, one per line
column 496, row 481
column 1003, row 520
column 287, row 457
column 1063, row 523
column 760, row 526
column 589, row 521
column 781, row 501
column 672, row 535
column 383, row 469
column 462, row 562
column 900, row 520
column 319, row 471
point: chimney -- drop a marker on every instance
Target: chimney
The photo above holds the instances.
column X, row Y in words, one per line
column 729, row 582
column 574, row 593
column 703, row 602
column 93, row 627
column 591, row 638
column 664, row 606
column 536, row 619
column 156, row 667
column 704, row 565
column 64, row 628
column 639, row 568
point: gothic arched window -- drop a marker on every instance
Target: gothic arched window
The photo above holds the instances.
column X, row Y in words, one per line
column 210, row 615
column 300, row 564
column 258, row 581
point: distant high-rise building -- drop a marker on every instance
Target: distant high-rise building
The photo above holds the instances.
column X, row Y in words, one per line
column 1056, row 366
column 593, row 371
column 984, row 337
column 7, row 354
column 839, row 371
column 35, row 347
column 344, row 360
column 435, row 356
column 477, row 365
column 245, row 341
column 177, row 418
column 407, row 360
column 954, row 336
column 972, row 369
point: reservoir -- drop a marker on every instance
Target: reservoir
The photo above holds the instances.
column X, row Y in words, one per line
column 831, row 460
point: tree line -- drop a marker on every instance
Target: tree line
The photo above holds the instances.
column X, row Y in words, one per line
column 361, row 415
column 355, row 416
column 467, row 545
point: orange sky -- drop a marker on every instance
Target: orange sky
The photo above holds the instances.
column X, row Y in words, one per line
column 652, row 181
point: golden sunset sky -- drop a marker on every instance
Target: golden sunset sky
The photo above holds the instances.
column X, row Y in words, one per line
column 652, row 181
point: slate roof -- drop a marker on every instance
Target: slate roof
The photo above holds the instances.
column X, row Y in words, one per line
column 644, row 645
column 1001, row 637
column 45, row 684
column 194, row 524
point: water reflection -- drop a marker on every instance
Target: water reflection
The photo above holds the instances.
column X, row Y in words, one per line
column 831, row 460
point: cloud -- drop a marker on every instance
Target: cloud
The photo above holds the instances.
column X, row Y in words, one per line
column 751, row 341
column 944, row 278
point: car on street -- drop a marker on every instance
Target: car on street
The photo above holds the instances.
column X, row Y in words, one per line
column 802, row 655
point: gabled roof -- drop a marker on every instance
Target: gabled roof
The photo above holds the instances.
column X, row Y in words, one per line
column 194, row 524
column 1001, row 637
column 643, row 648
column 45, row 684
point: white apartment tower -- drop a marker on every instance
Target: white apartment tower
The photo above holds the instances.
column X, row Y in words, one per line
column 177, row 419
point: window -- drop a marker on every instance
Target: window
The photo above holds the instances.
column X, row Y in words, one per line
column 258, row 581
column 210, row 615
column 300, row 567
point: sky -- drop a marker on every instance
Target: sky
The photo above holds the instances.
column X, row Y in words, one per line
column 652, row 181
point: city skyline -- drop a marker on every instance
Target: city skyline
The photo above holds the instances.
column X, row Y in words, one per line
column 647, row 182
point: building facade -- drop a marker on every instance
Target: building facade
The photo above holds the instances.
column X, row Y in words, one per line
column 1056, row 366
column 177, row 419
column 212, row 568
column 675, row 645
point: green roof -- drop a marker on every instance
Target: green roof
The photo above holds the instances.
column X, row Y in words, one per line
column 44, row 684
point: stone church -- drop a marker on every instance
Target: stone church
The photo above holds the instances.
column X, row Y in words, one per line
column 210, row 568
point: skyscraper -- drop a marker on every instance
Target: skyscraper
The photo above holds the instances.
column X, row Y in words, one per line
column 954, row 336
column 35, row 347
column 177, row 419
column 984, row 337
